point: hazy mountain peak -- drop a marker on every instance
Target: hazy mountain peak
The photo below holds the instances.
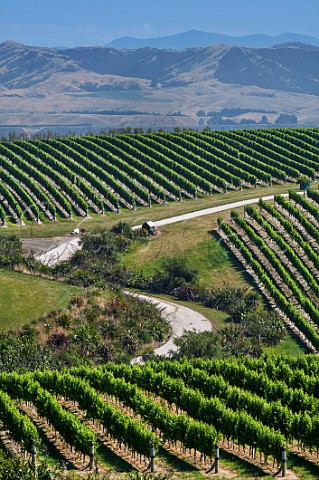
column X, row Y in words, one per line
column 287, row 67
column 12, row 44
column 197, row 38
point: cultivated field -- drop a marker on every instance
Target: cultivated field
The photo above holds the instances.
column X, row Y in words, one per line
column 251, row 408
column 60, row 178
column 279, row 247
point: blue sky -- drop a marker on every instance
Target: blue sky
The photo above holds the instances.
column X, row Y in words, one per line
column 97, row 22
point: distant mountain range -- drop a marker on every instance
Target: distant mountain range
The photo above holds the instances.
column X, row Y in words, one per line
column 292, row 67
column 36, row 82
column 196, row 39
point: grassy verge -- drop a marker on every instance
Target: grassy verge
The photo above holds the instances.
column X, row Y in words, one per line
column 242, row 467
column 306, row 470
column 197, row 241
column 288, row 346
column 24, row 298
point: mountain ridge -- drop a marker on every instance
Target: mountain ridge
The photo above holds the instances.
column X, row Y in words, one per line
column 198, row 38
column 41, row 83
column 289, row 67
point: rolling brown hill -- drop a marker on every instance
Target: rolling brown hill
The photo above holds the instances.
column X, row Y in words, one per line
column 107, row 81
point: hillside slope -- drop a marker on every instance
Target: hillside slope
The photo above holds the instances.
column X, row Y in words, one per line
column 287, row 67
column 148, row 87
column 65, row 177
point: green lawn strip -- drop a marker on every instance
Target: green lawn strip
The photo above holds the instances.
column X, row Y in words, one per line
column 289, row 346
column 241, row 467
column 109, row 459
column 197, row 242
column 305, row 469
column 24, row 298
column 177, row 464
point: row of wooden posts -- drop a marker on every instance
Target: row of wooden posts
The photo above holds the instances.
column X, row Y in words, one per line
column 215, row 466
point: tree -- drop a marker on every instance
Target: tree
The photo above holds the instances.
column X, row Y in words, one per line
column 12, row 136
column 236, row 342
column 124, row 229
column 264, row 120
column 10, row 250
column 176, row 272
column 87, row 338
column 267, row 327
column 285, row 119
column 100, row 243
column 202, row 344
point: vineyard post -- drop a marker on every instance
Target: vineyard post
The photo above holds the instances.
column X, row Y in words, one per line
column 91, row 455
column 33, row 452
column 284, row 461
column 152, row 457
column 216, row 458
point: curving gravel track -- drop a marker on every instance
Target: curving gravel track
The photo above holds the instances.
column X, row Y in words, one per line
column 59, row 253
column 181, row 319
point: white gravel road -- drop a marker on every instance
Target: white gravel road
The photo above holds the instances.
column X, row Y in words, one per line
column 208, row 211
column 181, row 319
column 60, row 253
column 65, row 250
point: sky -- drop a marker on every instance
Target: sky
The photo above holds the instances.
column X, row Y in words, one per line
column 70, row 23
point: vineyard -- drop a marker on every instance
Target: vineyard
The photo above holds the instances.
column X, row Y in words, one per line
column 49, row 179
column 278, row 245
column 250, row 408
